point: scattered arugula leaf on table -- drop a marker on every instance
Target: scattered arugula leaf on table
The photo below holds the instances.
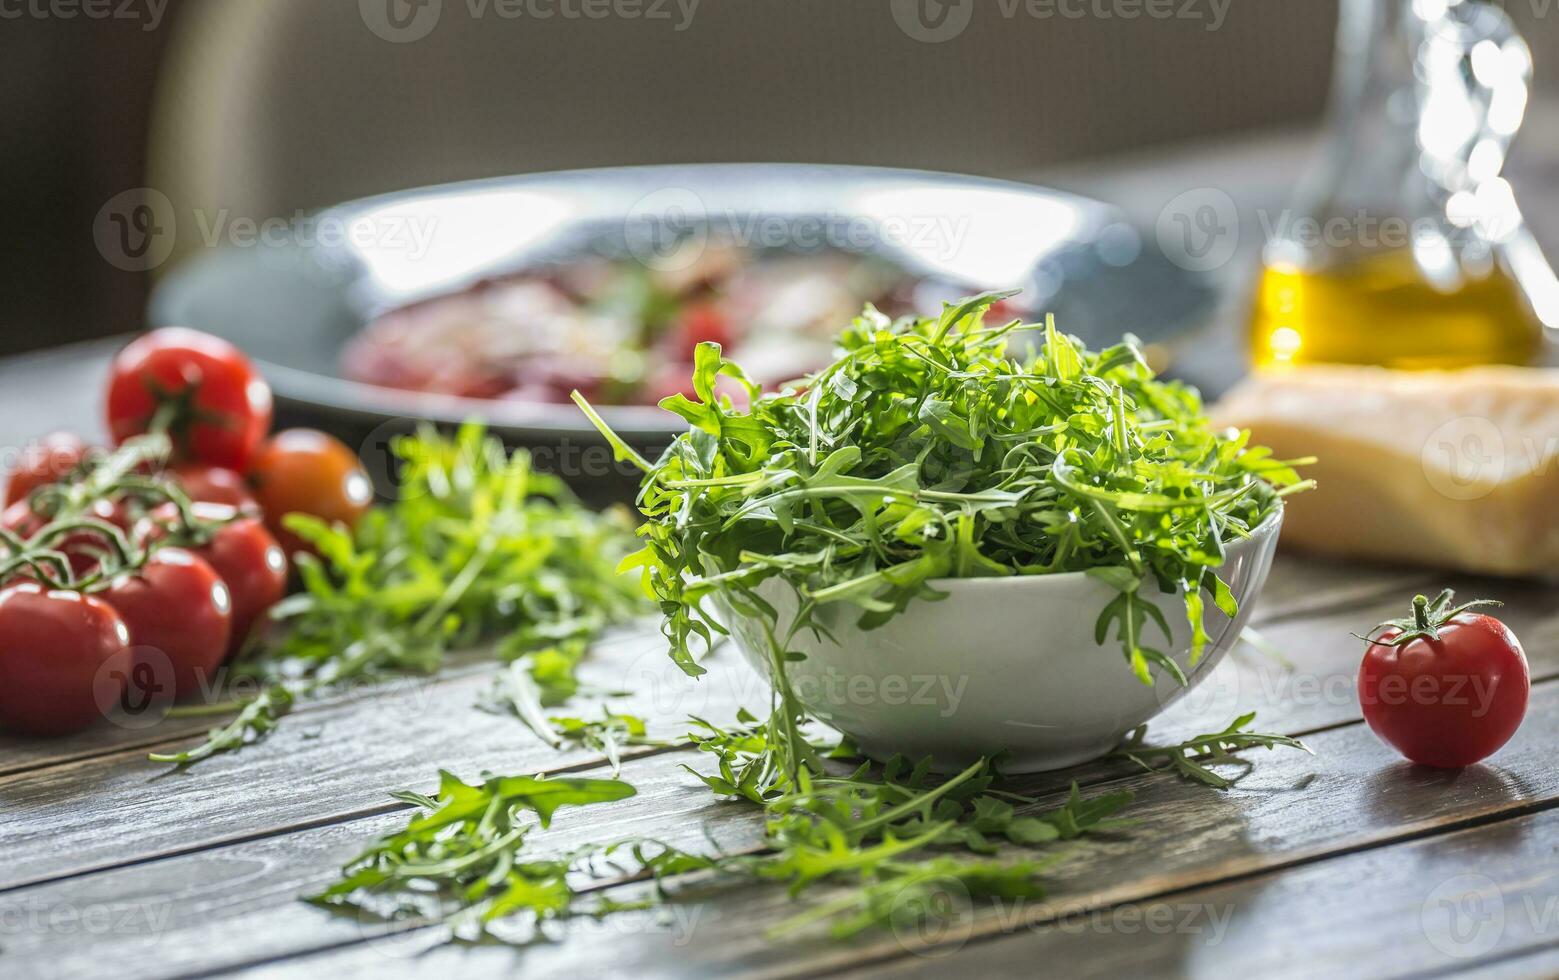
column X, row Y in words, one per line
column 256, row 719
column 476, row 545
column 461, row 862
column 1190, row 759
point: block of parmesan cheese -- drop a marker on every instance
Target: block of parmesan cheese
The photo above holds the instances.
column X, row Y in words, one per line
column 1456, row 469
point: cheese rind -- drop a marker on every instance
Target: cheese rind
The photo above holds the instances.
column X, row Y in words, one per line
column 1457, row 469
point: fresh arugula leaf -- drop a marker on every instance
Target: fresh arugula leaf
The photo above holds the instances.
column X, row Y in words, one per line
column 1190, row 759
column 477, row 545
column 256, row 719
column 460, row 861
column 607, row 734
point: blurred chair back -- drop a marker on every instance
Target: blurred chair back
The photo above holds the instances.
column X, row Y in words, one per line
column 284, row 104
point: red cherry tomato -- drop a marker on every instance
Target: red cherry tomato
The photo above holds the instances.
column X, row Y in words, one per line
column 64, row 659
column 301, row 471
column 49, row 460
column 214, row 485
column 179, row 616
column 1447, row 687
column 218, row 407
column 250, row 561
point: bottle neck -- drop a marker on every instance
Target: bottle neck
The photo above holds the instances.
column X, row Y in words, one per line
column 1409, row 106
column 1374, row 54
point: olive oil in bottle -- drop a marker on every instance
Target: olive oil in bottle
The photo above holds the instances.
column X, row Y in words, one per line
column 1403, row 246
column 1379, row 308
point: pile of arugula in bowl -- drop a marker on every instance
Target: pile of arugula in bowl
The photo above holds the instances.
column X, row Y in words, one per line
column 946, row 447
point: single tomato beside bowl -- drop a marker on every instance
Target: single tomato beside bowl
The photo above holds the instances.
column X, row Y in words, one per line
column 1445, row 687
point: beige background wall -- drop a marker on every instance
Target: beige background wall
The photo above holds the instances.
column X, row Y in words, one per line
column 296, row 103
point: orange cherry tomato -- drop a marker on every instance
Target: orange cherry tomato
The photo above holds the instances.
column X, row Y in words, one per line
column 304, row 471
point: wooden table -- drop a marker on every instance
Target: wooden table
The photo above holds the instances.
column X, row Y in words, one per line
column 1348, row 862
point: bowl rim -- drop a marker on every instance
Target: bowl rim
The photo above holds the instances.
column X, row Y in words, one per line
column 1269, row 526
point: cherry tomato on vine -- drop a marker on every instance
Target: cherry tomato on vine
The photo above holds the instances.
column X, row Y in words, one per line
column 64, row 658
column 49, row 460
column 214, row 485
column 216, row 407
column 176, row 607
column 302, row 471
column 1446, row 687
column 242, row 552
column 250, row 561
column 84, row 548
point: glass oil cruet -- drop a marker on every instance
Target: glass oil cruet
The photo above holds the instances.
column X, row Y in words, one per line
column 1404, row 246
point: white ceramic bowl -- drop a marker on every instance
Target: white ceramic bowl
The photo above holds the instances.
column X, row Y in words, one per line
column 1001, row 664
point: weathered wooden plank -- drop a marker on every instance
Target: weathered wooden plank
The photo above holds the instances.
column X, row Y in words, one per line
column 174, row 909
column 336, row 762
column 1353, row 794
column 1535, row 964
column 1305, row 585
column 1439, row 905
column 21, row 754
column 1292, row 812
column 399, row 731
